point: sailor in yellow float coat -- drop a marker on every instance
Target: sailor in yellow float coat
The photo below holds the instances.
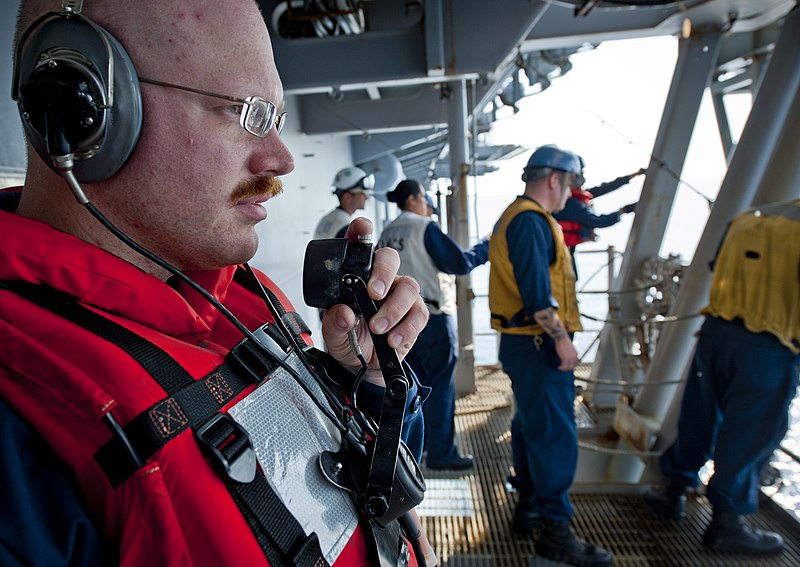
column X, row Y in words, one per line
column 533, row 305
column 743, row 377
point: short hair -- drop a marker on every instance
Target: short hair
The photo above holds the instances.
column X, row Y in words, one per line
column 535, row 173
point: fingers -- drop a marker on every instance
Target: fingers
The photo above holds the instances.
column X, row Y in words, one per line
column 567, row 354
column 385, row 263
column 358, row 228
column 402, row 314
column 336, row 325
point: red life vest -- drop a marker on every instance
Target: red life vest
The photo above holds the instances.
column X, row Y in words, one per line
column 575, row 233
column 63, row 379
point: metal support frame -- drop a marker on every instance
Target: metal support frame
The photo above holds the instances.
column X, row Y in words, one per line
column 723, row 124
column 458, row 227
column 13, row 155
column 696, row 62
column 764, row 168
column 434, row 38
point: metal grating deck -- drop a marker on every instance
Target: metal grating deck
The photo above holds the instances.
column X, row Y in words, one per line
column 479, row 534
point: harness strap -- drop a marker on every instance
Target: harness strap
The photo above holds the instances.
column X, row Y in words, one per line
column 520, row 319
column 189, row 405
column 148, row 432
column 258, row 502
column 291, row 319
column 162, row 367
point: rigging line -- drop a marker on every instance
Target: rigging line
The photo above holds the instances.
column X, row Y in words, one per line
column 588, row 280
column 625, row 384
column 661, row 163
column 667, row 319
column 617, row 292
column 586, row 351
column 600, row 449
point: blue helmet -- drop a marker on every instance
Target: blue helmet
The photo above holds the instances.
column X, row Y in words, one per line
column 554, row 158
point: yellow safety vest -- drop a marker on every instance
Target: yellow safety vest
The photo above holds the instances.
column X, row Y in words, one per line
column 757, row 273
column 505, row 301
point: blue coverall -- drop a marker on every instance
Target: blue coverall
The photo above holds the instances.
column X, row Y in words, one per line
column 735, row 409
column 435, row 352
column 544, row 438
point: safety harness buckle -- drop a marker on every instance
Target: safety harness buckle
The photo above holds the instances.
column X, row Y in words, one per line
column 229, row 448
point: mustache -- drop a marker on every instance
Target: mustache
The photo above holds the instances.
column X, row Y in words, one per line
column 257, row 187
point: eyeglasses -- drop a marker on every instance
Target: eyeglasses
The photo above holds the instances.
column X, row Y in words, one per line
column 258, row 114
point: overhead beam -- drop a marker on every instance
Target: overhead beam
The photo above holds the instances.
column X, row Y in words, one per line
column 320, row 114
column 373, row 57
column 443, row 45
column 434, row 38
column 375, row 145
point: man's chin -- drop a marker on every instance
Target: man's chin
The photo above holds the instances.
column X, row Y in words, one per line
column 233, row 255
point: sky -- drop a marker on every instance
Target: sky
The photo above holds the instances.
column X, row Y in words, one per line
column 607, row 108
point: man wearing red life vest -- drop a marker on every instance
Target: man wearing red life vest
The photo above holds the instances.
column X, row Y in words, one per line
column 134, row 416
column 579, row 220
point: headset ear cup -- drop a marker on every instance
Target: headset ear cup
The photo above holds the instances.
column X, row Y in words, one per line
column 102, row 137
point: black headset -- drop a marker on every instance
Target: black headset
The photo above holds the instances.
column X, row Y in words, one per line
column 78, row 94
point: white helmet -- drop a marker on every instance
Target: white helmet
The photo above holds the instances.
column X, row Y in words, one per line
column 353, row 178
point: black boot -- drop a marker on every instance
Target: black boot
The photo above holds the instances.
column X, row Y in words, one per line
column 729, row 533
column 527, row 520
column 558, row 543
column 669, row 503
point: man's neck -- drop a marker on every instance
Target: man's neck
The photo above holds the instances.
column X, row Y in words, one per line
column 55, row 206
column 538, row 197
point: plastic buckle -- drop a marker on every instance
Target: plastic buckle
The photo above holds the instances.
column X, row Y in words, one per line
column 230, row 446
column 251, row 359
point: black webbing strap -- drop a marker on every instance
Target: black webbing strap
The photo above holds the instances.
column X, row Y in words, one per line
column 167, row 372
column 258, row 502
column 291, row 319
column 190, row 405
column 520, row 319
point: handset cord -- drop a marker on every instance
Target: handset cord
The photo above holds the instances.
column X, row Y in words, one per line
column 301, row 354
column 64, row 164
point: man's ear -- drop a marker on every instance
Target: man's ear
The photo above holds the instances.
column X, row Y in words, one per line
column 554, row 181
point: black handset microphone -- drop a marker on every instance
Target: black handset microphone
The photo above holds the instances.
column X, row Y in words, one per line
column 335, row 271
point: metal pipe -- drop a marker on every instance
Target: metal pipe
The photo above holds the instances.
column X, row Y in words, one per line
column 458, row 227
column 696, row 61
